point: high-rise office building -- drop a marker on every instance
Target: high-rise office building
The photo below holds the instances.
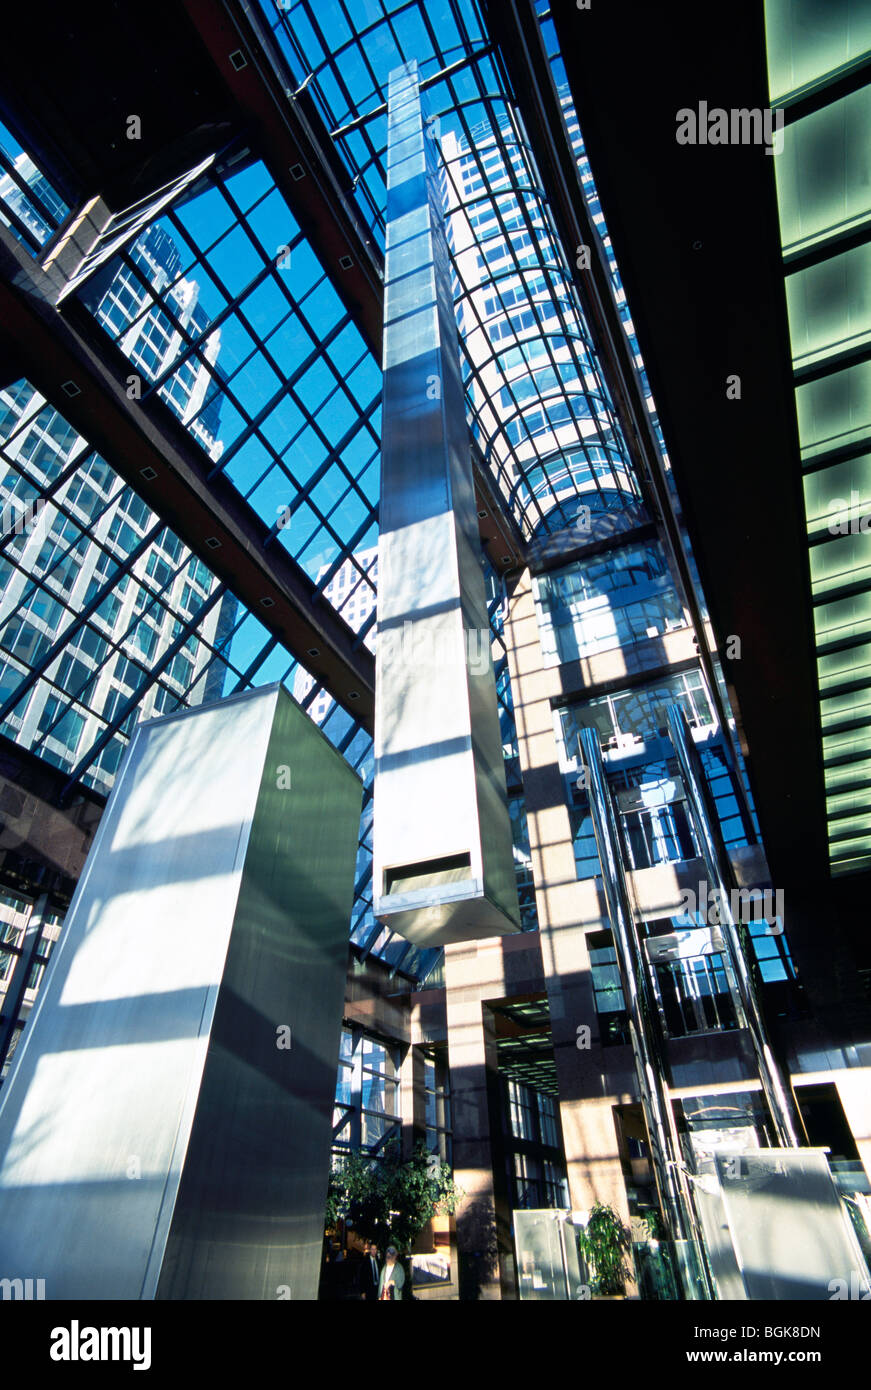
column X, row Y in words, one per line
column 191, row 435
column 350, row 587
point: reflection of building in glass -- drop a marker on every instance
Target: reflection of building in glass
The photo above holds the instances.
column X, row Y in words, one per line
column 28, row 203
column 29, row 931
column 151, row 334
column 71, row 527
column 355, row 599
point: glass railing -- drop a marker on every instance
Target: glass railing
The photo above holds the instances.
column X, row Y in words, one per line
column 668, row 1270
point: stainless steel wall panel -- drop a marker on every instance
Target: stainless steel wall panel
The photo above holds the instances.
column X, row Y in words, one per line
column 443, row 857
column 154, row 1139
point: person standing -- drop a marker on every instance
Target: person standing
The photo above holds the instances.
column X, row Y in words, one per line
column 370, row 1274
column 392, row 1280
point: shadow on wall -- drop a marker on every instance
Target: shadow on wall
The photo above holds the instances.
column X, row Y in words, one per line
column 478, row 1267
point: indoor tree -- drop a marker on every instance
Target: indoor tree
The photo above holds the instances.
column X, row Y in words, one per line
column 389, row 1199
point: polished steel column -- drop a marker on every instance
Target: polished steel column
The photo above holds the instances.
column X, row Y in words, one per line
column 165, row 1128
column 443, row 857
column 714, row 857
column 664, row 1146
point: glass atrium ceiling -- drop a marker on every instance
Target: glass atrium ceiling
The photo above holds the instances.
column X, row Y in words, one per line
column 296, row 390
column 223, row 309
column 538, row 406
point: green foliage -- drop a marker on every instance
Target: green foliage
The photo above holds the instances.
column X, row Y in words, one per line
column 654, row 1224
column 390, row 1199
column 604, row 1243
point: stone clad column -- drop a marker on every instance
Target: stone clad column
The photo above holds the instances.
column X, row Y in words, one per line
column 484, row 1239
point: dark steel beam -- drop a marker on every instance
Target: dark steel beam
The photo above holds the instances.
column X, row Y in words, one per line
column 71, row 76
column 64, row 354
column 290, row 136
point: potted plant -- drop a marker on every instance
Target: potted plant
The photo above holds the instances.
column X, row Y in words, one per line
column 604, row 1243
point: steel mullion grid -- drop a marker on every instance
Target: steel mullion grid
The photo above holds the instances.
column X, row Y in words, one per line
column 85, row 528
column 194, row 349
column 569, row 337
column 515, row 272
column 364, row 577
column 554, row 59
column 602, row 420
column 44, row 494
column 375, row 213
column 78, row 621
column 332, row 459
column 516, row 192
column 374, row 161
column 245, row 679
column 153, row 676
column 562, row 389
column 561, row 269
column 299, row 307
column 542, row 460
column 234, row 306
column 251, row 430
column 31, row 196
column 220, row 652
column 231, row 307
column 220, row 649
column 114, row 646
column 500, row 231
column 426, row 84
column 217, row 179
column 365, row 196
